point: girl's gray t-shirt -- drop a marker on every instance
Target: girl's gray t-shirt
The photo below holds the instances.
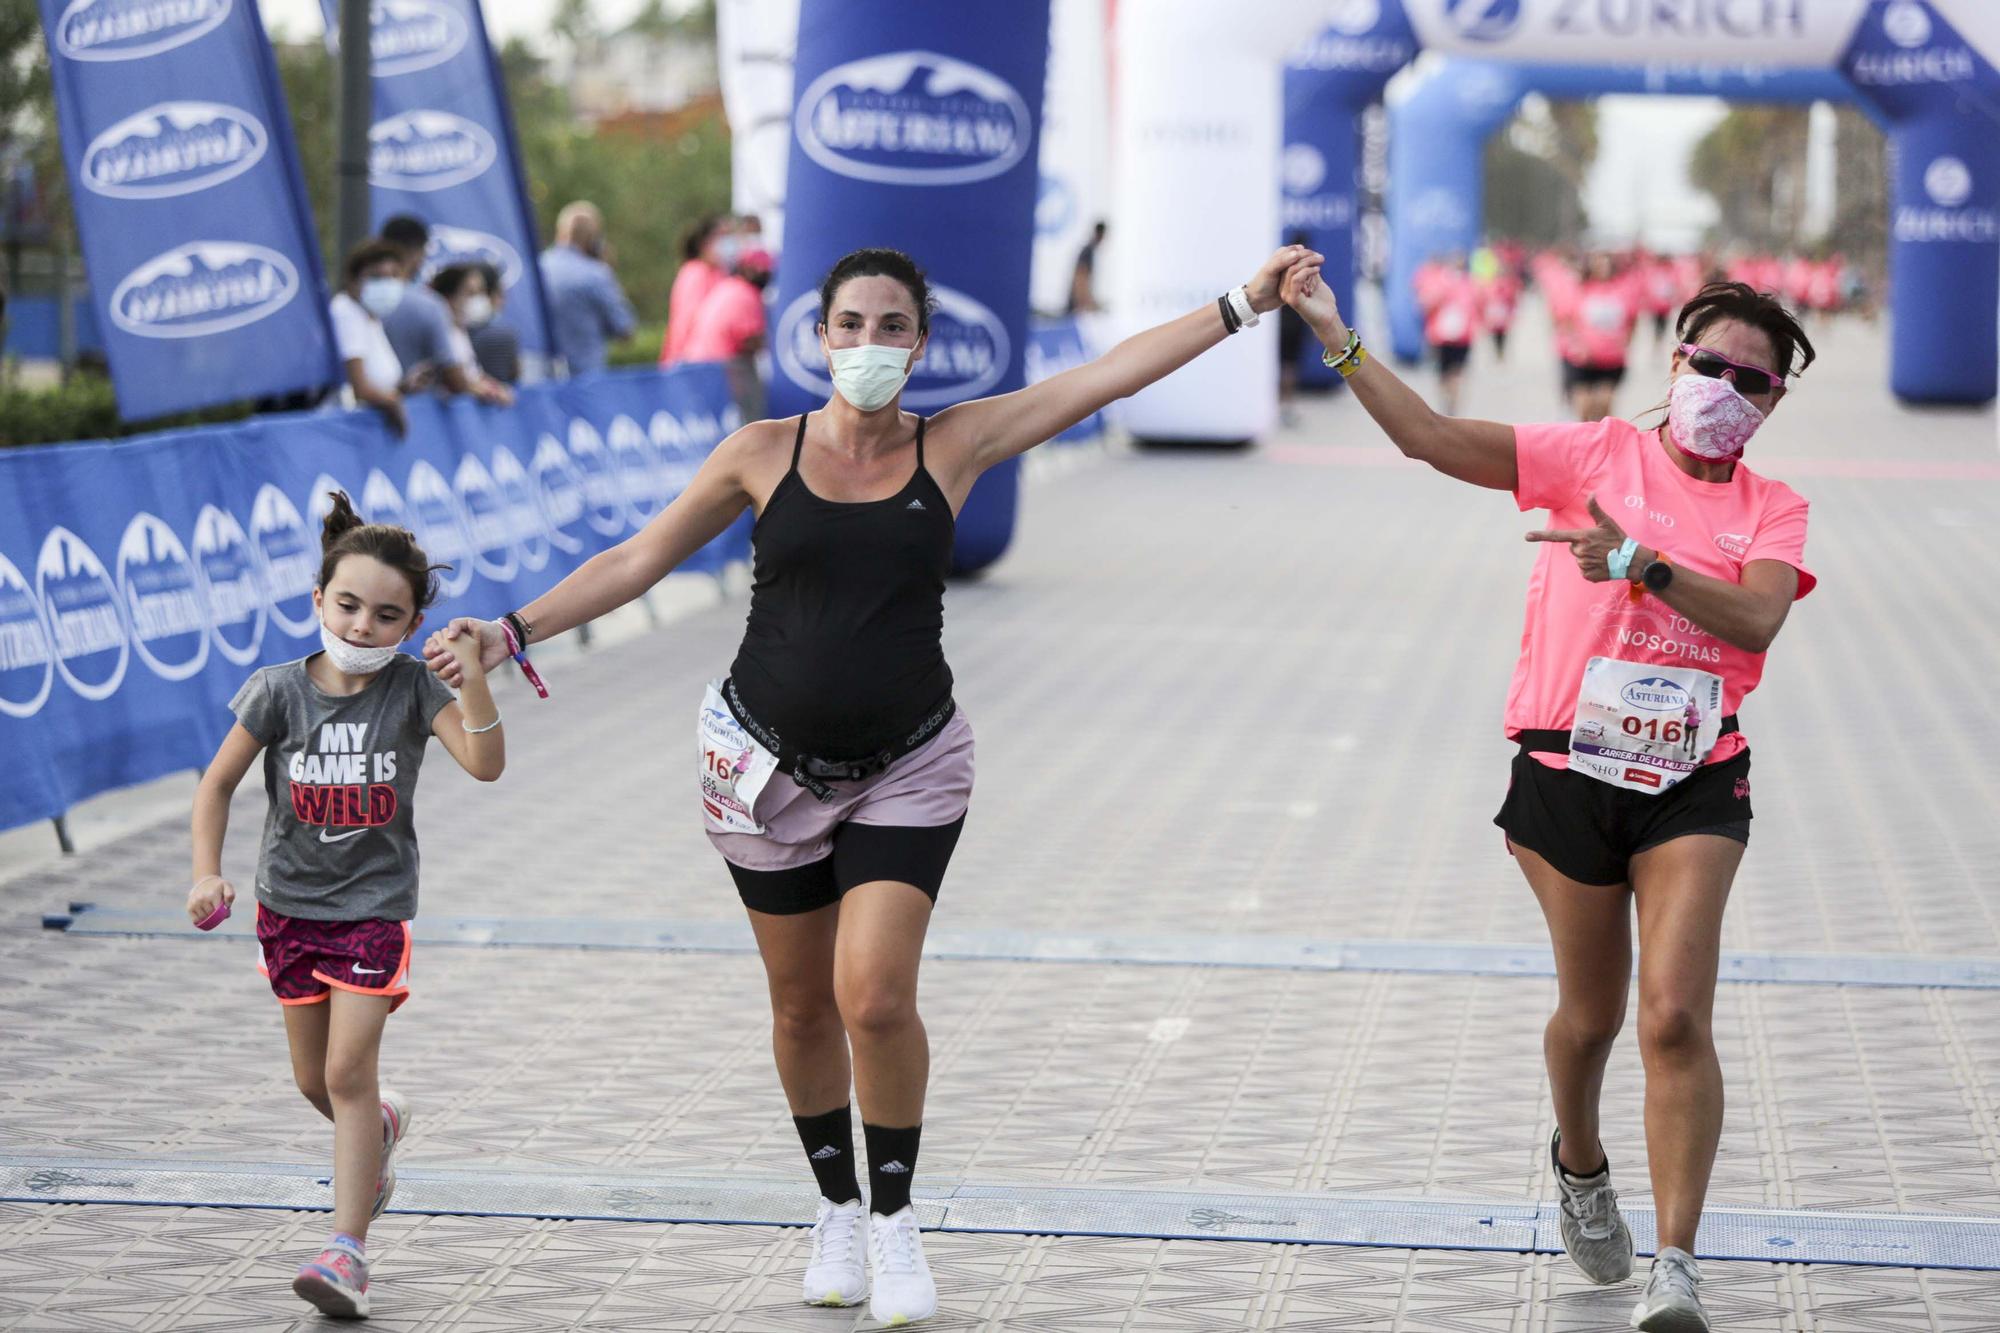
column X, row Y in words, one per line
column 341, row 774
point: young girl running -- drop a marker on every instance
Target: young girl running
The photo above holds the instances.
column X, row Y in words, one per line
column 343, row 734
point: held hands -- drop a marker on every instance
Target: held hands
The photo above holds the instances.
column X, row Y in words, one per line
column 1264, row 285
column 1305, row 291
column 465, row 644
column 1591, row 546
column 209, row 892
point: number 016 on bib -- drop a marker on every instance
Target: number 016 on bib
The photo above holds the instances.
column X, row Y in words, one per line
column 1642, row 726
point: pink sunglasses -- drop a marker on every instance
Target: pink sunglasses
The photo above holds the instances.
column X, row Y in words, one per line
column 1749, row 379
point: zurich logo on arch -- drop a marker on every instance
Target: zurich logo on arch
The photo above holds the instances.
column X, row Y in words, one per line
column 914, row 118
column 1303, row 168
column 171, row 149
column 1483, row 20
column 967, row 353
column 1906, row 24
column 1948, row 181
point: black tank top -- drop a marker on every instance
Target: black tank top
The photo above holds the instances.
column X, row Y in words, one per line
column 844, row 652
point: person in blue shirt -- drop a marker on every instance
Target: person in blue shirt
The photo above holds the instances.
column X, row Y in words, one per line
column 420, row 325
column 587, row 307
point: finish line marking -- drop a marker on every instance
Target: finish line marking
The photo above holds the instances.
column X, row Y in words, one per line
column 1792, row 1236
column 1283, row 952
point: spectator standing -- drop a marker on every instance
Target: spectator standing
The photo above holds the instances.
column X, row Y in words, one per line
column 496, row 343
column 730, row 328
column 463, row 288
column 372, row 286
column 707, row 255
column 587, row 307
column 419, row 328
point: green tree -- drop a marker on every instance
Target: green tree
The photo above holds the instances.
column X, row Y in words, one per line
column 1535, row 172
column 1753, row 164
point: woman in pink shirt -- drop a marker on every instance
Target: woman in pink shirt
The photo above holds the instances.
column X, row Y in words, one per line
column 729, row 327
column 1668, row 570
column 706, row 258
column 1599, row 315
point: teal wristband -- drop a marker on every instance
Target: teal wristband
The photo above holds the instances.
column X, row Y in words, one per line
column 1619, row 562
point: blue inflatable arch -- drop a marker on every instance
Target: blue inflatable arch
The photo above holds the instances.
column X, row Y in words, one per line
column 1934, row 95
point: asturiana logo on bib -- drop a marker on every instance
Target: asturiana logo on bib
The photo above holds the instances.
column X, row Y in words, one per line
column 968, row 351
column 82, row 606
column 203, row 287
column 27, row 657
column 163, row 599
column 1656, row 694
column 410, row 35
column 428, row 150
column 172, row 149
column 131, row 29
column 914, row 118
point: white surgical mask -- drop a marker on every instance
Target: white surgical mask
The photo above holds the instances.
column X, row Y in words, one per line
column 381, row 295
column 351, row 660
column 478, row 311
column 869, row 376
column 1709, row 418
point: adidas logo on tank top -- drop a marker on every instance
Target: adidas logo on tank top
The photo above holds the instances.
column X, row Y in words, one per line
column 914, row 504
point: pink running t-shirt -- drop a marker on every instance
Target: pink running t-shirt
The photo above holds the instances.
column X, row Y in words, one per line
column 1710, row 527
column 1601, row 319
column 731, row 315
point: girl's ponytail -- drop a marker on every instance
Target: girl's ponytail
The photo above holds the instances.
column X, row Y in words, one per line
column 339, row 521
column 345, row 533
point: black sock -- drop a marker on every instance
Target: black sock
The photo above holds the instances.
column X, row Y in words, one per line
column 892, row 1160
column 829, row 1142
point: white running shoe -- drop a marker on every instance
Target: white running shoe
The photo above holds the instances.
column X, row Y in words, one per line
column 904, row 1289
column 1672, row 1303
column 1593, row 1232
column 395, row 1122
column 834, row 1275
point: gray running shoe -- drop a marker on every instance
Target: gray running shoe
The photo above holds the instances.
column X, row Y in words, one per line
column 1672, row 1303
column 1594, row 1234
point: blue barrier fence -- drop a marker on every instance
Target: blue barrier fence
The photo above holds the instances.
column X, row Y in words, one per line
column 141, row 581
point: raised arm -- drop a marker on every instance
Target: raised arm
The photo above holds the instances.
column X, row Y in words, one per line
column 1481, row 452
column 996, row 429
column 612, row 578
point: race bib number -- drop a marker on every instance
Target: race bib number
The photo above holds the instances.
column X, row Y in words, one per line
column 1642, row 726
column 734, row 767
column 1452, row 324
column 1605, row 313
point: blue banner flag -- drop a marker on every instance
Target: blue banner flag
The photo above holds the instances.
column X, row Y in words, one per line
column 141, row 581
column 915, row 127
column 442, row 147
column 204, row 268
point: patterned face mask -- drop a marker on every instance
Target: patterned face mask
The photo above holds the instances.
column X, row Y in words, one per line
column 1710, row 419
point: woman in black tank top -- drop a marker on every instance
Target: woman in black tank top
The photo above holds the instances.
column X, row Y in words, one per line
column 835, row 766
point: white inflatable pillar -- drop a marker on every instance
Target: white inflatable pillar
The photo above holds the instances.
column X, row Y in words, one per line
column 1199, row 119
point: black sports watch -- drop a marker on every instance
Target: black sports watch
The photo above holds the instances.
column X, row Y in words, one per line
column 1659, row 574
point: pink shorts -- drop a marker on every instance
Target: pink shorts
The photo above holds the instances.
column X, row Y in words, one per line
column 306, row 960
column 900, row 825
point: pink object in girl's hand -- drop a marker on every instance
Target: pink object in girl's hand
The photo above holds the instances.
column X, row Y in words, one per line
column 215, row 918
